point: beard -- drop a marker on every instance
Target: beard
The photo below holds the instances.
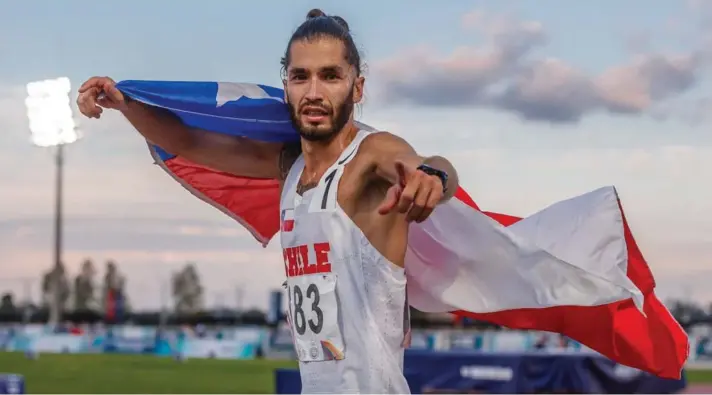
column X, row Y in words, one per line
column 317, row 133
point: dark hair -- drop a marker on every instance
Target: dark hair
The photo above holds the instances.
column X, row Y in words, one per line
column 319, row 25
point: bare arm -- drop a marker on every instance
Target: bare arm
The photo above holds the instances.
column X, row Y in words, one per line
column 385, row 151
column 230, row 154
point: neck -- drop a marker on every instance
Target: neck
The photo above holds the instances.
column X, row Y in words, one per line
column 319, row 155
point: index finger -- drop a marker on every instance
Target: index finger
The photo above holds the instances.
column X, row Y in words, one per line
column 88, row 84
column 403, row 172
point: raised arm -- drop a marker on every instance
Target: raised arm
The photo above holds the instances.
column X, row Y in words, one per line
column 419, row 183
column 235, row 155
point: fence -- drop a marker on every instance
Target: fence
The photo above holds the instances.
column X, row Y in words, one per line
column 248, row 342
column 230, row 343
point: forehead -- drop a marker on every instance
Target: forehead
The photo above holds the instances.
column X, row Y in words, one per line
column 317, row 53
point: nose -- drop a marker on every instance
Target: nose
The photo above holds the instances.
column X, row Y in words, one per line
column 315, row 91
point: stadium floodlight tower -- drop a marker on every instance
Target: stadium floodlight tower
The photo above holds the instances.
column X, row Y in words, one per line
column 52, row 125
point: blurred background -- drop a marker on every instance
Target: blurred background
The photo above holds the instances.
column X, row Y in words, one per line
column 533, row 102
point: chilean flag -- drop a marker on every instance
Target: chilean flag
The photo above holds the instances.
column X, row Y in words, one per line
column 572, row 268
column 287, row 220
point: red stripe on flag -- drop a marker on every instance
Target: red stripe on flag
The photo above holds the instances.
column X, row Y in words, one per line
column 252, row 201
column 656, row 344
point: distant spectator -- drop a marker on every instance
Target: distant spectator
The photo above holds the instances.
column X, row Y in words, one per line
column 115, row 300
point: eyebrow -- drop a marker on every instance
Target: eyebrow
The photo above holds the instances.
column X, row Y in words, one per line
column 333, row 69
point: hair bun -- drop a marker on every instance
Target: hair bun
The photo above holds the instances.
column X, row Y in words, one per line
column 315, row 13
column 341, row 22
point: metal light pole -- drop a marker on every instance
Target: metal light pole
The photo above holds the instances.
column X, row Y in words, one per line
column 55, row 311
column 52, row 125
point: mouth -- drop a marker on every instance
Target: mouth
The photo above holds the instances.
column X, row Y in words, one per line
column 314, row 114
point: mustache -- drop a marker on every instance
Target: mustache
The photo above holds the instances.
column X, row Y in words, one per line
column 317, row 105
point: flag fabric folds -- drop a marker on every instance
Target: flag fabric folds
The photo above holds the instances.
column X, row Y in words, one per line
column 573, row 268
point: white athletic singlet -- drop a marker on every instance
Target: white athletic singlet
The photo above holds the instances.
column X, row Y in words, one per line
column 347, row 303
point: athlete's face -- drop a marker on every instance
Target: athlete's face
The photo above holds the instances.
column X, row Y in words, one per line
column 321, row 88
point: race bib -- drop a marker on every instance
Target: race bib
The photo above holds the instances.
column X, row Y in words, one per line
column 313, row 313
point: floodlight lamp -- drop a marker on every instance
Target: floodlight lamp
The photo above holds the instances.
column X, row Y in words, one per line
column 59, row 87
column 49, row 112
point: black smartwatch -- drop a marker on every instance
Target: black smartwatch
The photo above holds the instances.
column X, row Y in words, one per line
column 431, row 171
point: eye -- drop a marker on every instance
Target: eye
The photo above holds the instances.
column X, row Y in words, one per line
column 331, row 76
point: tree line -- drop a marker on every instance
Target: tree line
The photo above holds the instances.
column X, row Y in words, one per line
column 82, row 300
column 87, row 297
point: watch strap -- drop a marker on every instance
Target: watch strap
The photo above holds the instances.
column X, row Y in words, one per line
column 431, row 171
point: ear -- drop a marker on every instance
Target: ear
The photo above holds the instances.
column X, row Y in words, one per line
column 358, row 89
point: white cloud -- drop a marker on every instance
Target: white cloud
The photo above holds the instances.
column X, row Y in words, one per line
column 505, row 74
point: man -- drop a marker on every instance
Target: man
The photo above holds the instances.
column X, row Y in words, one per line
column 348, row 197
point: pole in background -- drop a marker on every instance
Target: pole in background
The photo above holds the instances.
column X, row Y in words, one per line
column 52, row 124
column 55, row 311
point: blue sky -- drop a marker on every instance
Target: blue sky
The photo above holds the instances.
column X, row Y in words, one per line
column 533, row 103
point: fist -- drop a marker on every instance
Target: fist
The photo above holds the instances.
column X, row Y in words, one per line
column 98, row 93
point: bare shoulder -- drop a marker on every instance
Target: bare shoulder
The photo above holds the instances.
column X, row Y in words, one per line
column 382, row 141
column 382, row 144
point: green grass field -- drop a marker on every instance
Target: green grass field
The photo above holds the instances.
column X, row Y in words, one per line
column 132, row 374
column 699, row 376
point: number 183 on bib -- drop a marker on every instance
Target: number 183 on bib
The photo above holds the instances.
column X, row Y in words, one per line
column 313, row 313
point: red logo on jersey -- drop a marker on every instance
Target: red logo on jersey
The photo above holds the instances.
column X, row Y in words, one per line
column 297, row 263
